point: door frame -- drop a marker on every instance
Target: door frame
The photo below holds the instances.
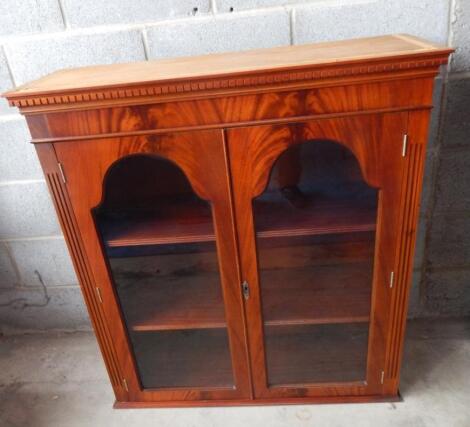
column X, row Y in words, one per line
column 376, row 142
column 202, row 157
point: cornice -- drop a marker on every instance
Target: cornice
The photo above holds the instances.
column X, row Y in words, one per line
column 239, row 83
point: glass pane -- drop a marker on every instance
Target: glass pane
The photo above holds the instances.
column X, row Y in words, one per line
column 160, row 243
column 315, row 227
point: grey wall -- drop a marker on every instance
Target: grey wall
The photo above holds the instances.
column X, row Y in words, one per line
column 443, row 281
column 38, row 288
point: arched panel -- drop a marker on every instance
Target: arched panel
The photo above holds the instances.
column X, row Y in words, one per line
column 268, row 142
column 158, row 229
column 139, row 178
column 362, row 137
column 309, row 205
column 193, row 154
column 147, row 199
column 159, row 240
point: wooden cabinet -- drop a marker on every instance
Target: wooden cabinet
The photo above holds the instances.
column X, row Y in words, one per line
column 242, row 225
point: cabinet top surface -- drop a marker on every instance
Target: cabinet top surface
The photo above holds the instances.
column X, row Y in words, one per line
column 228, row 63
column 191, row 70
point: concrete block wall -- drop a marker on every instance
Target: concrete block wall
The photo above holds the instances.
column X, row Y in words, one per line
column 38, row 288
column 444, row 287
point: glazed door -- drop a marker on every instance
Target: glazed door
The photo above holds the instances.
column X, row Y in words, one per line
column 154, row 214
column 316, row 225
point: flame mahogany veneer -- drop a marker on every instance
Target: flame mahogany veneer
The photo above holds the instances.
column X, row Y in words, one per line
column 224, row 119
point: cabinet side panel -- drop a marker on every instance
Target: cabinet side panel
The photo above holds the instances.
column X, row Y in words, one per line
column 74, row 243
column 391, row 165
column 408, row 218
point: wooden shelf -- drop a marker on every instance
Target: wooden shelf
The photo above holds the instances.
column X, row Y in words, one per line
column 164, row 303
column 277, row 218
column 338, row 295
column 180, row 223
column 316, row 353
column 197, row 358
column 175, row 222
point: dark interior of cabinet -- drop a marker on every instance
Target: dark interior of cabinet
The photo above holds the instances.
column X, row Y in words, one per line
column 178, row 221
column 317, row 283
column 157, row 233
column 338, row 294
column 191, row 358
column 326, row 353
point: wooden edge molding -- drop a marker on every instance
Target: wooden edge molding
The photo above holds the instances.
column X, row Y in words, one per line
column 225, row 125
column 257, row 80
column 85, row 276
column 409, row 211
column 317, row 400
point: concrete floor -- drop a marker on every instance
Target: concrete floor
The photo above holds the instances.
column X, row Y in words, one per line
column 59, row 380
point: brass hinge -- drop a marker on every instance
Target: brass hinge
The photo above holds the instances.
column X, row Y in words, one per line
column 124, row 383
column 382, row 376
column 392, row 278
column 246, row 289
column 405, row 145
column 98, row 292
column 62, row 174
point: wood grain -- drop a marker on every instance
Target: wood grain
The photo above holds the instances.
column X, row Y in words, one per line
column 409, row 210
column 195, row 154
column 225, row 72
column 296, row 296
column 190, row 224
column 82, row 268
column 262, row 108
column 253, row 152
column 224, row 120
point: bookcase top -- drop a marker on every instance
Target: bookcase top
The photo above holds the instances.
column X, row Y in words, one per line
column 225, row 72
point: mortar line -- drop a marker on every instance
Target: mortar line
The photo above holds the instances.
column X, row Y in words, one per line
column 24, row 287
column 450, row 34
column 21, row 182
column 64, row 17
column 32, row 239
column 106, row 28
column 80, row 31
column 10, row 117
column 459, row 75
column 292, row 26
column 145, row 43
column 213, row 7
column 13, row 263
column 7, row 62
column 459, row 267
